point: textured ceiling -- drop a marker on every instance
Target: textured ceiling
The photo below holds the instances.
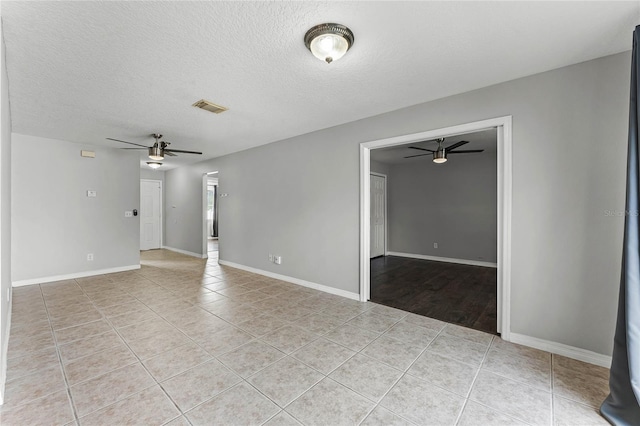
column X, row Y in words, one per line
column 84, row 71
column 486, row 139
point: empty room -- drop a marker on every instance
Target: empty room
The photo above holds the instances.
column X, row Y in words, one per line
column 319, row 213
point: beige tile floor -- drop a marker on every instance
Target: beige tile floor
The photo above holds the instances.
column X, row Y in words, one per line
column 185, row 341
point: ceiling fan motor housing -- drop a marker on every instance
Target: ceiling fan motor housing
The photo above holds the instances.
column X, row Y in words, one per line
column 156, row 153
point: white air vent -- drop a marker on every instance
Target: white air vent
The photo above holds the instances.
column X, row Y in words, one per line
column 209, row 106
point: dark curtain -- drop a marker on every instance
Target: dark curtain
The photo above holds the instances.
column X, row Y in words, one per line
column 622, row 406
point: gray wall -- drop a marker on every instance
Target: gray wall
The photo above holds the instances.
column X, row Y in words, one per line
column 156, row 175
column 300, row 197
column 55, row 224
column 5, row 217
column 378, row 167
column 452, row 204
column 152, row 174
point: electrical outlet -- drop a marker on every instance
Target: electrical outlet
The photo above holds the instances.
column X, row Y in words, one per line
column 435, row 245
column 277, row 260
column 90, row 257
column 128, row 214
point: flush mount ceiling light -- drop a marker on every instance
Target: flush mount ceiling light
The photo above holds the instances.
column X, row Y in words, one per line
column 153, row 164
column 329, row 42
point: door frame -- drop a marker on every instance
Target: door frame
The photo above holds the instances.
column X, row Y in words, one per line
column 504, row 205
column 161, row 212
column 203, row 231
column 386, row 212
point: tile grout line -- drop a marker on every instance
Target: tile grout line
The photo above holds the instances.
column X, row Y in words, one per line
column 475, row 378
column 64, row 373
column 404, row 373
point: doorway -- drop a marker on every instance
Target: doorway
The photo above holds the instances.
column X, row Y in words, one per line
column 150, row 214
column 442, row 259
column 503, row 234
column 211, row 215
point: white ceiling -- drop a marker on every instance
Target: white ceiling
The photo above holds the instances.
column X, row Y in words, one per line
column 486, row 139
column 85, row 71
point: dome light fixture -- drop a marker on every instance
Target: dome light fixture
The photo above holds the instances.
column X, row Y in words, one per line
column 154, row 165
column 329, row 42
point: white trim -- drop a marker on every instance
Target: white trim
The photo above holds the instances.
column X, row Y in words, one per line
column 365, row 219
column 205, row 190
column 309, row 284
column 161, row 209
column 386, row 211
column 445, row 259
column 504, row 132
column 562, row 349
column 74, row 275
column 188, row 253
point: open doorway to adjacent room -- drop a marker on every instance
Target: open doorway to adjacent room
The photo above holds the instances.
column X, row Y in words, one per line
column 434, row 224
column 211, row 222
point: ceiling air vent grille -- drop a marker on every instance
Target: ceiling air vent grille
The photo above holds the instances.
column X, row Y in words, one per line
column 209, row 106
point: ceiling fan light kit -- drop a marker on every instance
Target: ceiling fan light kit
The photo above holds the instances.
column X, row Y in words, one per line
column 329, row 42
column 440, row 156
column 154, row 165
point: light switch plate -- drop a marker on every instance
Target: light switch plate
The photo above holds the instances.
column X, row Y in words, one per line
column 91, row 194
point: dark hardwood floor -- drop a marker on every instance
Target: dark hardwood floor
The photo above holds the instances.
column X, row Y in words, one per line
column 460, row 294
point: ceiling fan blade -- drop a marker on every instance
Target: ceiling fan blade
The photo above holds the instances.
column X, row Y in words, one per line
column 466, row 151
column 421, row 149
column 455, row 145
column 131, row 143
column 184, row 152
column 419, row 155
column 169, row 153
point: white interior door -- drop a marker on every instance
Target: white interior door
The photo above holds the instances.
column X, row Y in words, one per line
column 149, row 214
column 378, row 213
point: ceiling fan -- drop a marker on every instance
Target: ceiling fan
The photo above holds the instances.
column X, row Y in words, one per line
column 159, row 149
column 440, row 154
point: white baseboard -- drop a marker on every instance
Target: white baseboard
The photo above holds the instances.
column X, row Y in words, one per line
column 309, row 284
column 444, row 259
column 74, row 276
column 562, row 349
column 188, row 253
column 5, row 351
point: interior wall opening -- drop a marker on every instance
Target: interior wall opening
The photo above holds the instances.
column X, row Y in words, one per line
column 433, row 228
column 211, row 215
column 502, row 128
